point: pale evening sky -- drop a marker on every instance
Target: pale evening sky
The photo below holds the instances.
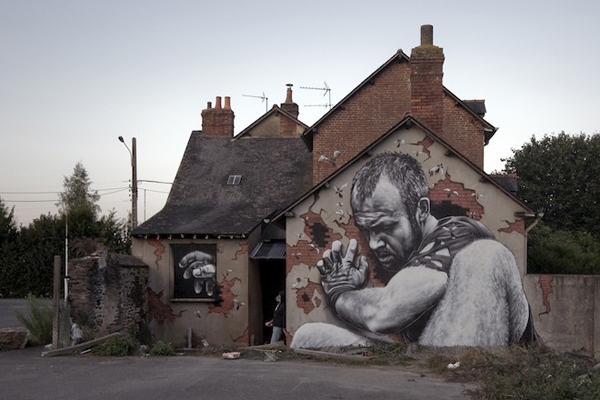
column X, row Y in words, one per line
column 74, row 75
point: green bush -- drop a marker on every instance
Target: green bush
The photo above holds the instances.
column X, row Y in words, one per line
column 162, row 349
column 37, row 318
column 551, row 251
column 117, row 346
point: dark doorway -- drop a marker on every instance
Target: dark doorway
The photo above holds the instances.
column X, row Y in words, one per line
column 272, row 281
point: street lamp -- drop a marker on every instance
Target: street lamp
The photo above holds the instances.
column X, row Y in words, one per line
column 134, row 188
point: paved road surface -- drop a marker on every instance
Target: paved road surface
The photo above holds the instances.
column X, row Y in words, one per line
column 25, row 375
column 7, row 317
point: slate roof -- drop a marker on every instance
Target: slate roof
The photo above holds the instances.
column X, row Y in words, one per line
column 507, row 181
column 275, row 172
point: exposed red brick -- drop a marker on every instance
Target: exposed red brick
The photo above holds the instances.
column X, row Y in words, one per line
column 242, row 251
column 305, row 297
column 545, row 282
column 158, row 310
column 307, row 251
column 227, row 296
column 455, row 192
column 515, row 226
column 160, row 249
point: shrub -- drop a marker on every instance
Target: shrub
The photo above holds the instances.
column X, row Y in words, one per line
column 37, row 318
column 162, row 349
column 117, row 346
column 552, row 251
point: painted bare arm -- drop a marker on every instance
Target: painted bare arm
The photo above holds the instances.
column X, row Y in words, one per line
column 389, row 309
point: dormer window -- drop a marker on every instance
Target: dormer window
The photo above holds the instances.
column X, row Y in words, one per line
column 234, row 180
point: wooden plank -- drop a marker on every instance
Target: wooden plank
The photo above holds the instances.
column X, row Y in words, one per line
column 323, row 354
column 79, row 347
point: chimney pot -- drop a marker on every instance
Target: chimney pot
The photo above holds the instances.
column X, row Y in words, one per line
column 227, row 103
column 208, row 105
column 288, row 96
column 427, row 35
column 218, row 103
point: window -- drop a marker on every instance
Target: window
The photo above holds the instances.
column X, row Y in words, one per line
column 195, row 271
column 234, row 179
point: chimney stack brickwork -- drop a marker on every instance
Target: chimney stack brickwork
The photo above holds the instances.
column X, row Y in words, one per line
column 287, row 127
column 414, row 87
column 218, row 121
column 427, row 90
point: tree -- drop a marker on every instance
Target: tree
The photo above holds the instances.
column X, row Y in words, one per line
column 27, row 263
column 78, row 195
column 87, row 232
column 8, row 226
column 559, row 175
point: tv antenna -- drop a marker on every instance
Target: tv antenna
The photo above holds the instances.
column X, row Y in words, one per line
column 327, row 91
column 263, row 98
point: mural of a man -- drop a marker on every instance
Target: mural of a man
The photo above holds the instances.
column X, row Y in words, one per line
column 452, row 283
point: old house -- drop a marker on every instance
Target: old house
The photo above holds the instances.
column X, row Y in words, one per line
column 251, row 215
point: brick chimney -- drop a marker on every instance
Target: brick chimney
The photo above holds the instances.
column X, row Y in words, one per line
column 287, row 126
column 218, row 121
column 289, row 106
column 427, row 94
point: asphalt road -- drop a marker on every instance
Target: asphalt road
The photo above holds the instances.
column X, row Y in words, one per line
column 7, row 317
column 24, row 374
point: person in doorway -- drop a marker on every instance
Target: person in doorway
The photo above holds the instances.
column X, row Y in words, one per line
column 278, row 321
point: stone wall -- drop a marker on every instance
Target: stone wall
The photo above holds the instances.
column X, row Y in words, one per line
column 108, row 293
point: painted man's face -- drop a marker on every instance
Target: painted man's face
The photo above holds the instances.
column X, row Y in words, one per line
column 385, row 222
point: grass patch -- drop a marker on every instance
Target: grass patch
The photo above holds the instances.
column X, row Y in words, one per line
column 37, row 318
column 517, row 372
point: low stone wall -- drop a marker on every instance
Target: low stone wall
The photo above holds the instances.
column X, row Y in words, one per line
column 108, row 293
column 566, row 311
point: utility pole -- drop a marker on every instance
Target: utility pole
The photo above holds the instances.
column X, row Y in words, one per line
column 134, row 181
column 134, row 186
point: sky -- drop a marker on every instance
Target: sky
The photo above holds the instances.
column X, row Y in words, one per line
column 76, row 75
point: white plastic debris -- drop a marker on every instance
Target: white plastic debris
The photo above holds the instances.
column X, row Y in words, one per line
column 454, row 366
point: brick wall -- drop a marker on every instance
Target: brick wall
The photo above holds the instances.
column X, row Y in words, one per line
column 402, row 87
column 367, row 115
column 463, row 131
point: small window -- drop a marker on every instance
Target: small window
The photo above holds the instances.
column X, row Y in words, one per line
column 234, row 179
column 195, row 271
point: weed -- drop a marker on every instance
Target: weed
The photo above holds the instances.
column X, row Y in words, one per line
column 525, row 373
column 162, row 349
column 117, row 346
column 37, row 318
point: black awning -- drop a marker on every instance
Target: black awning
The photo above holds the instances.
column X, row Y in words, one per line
column 273, row 250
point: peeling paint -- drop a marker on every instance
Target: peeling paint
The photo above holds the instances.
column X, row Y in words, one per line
column 158, row 310
column 242, row 251
column 426, row 143
column 160, row 249
column 545, row 282
column 244, row 338
column 227, row 304
column 515, row 226
column 456, row 194
column 306, row 298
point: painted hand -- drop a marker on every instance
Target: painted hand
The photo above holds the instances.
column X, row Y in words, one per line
column 338, row 272
column 197, row 264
